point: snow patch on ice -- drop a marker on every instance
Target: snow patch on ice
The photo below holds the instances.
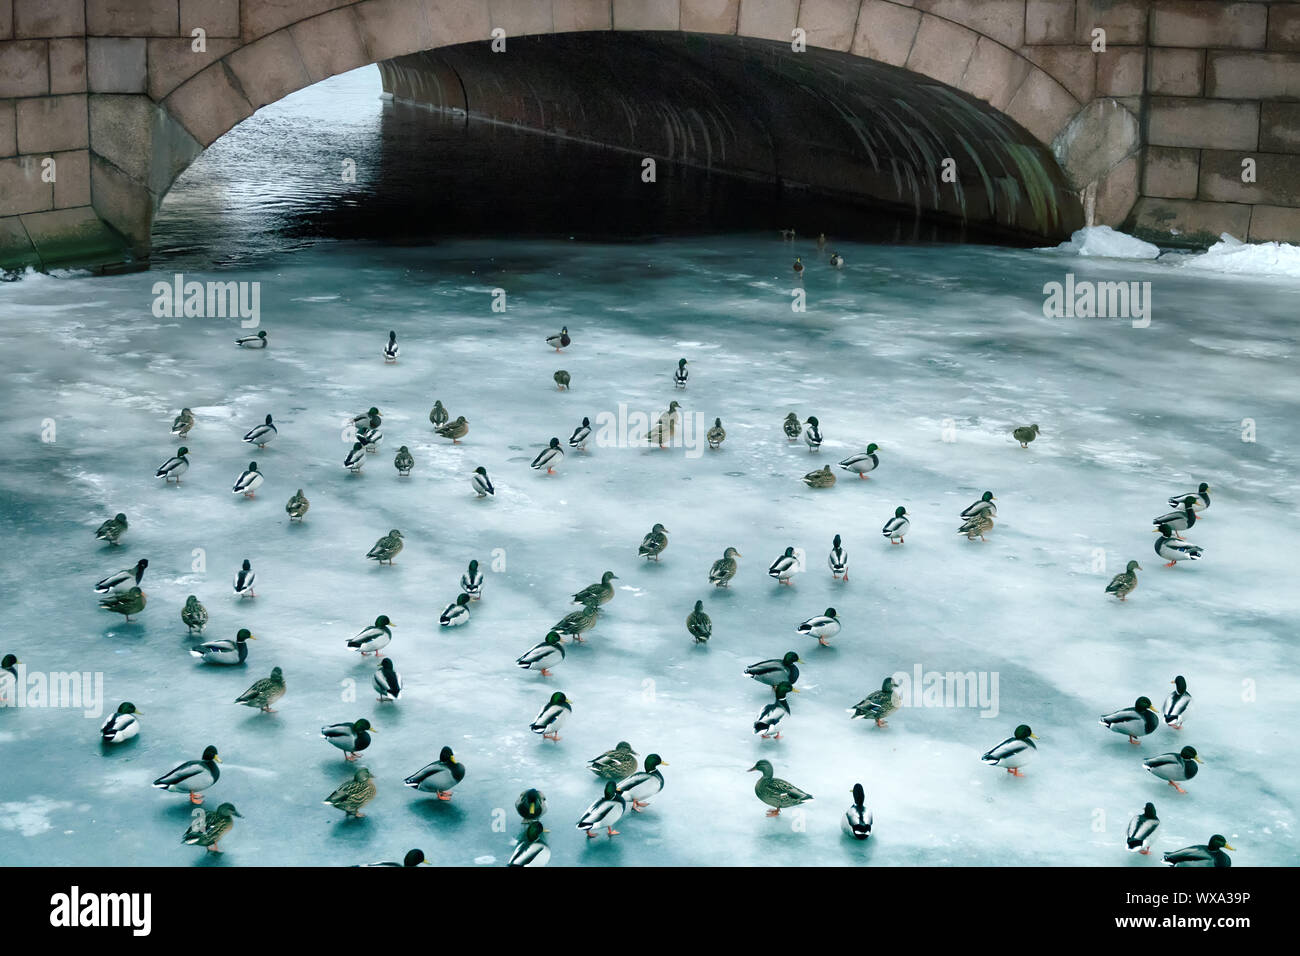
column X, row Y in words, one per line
column 1106, row 242
column 31, row 817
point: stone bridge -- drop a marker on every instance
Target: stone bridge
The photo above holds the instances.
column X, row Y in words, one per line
column 1176, row 119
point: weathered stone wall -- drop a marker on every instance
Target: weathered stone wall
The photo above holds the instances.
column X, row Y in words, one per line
column 114, row 96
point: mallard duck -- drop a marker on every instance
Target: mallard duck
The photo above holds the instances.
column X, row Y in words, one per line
column 798, row 266
column 1025, row 434
column 174, row 467
column 412, row 859
column 543, row 656
column 1141, row 829
column 785, row 567
column 774, row 671
column 837, row 261
column 207, row 829
column 1174, row 548
column 1136, row 721
column 1124, row 583
column 606, row 811
column 821, row 241
column 792, row 426
column 387, row 548
column 896, row 527
column 775, row 792
column 350, row 738
column 823, row 627
column 879, row 704
column 551, row 716
column 391, row 350
column 654, row 543
column 600, row 593
column 857, row 819
column 643, row 786
column 617, row 764
column 531, row 849
column 122, row 725
column 716, row 435
column 370, row 436
column 354, row 794
column 456, row 613
column 1173, row 767
column 699, row 625
column 387, row 682
column 248, row 481
column 481, row 483
column 775, row 712
column 680, row 375
column 122, row 580
column 549, row 457
column 863, row 461
column 787, row 235
column 361, row 420
column 182, row 423
column 245, row 578
column 262, row 435
column 821, row 478
column 724, row 569
column 1200, row 498
column 112, row 529
column 126, row 603
column 258, row 341
column 373, row 639
column 562, row 379
column 813, row 433
column 297, row 506
column 977, row 525
column 265, row 692
column 471, row 582
column 193, row 776
column 1202, row 854
column 580, row 435
column 454, row 430
column 838, row 560
column 1176, row 703
column 228, row 653
column 576, row 624
column 438, row 415
column 1014, row 752
column 404, row 461
column 559, row 341
column 438, row 777
column 984, row 506
column 530, row 805
column 9, row 679
column 1179, row 520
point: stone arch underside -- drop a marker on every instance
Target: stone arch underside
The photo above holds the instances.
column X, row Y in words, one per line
column 832, row 119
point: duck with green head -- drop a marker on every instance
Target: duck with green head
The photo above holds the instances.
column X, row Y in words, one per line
column 680, row 374
column 543, row 656
column 122, row 725
column 1014, row 752
column 373, row 639
column 531, row 849
column 1172, row 767
column 227, row 653
column 551, row 716
column 772, row 715
column 604, row 812
column 863, row 462
column 438, row 777
column 174, row 467
column 193, row 776
column 455, row 614
column 1202, row 854
column 643, row 786
column 1136, row 721
column 350, row 738
column 1176, row 704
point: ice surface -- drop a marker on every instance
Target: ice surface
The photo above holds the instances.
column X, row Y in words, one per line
column 1230, row 254
column 905, row 347
column 1107, row 242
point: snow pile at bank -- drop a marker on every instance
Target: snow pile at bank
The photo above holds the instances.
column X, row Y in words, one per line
column 1103, row 241
column 1230, row 254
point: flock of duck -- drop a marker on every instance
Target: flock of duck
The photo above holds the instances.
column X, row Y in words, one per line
column 629, row 786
